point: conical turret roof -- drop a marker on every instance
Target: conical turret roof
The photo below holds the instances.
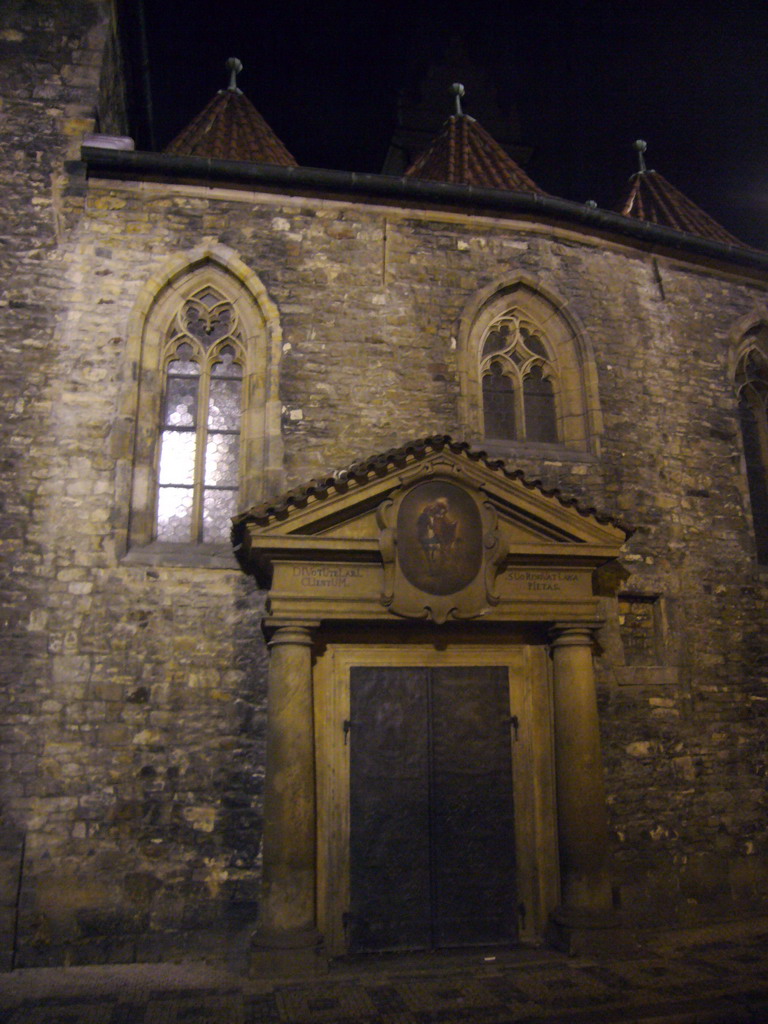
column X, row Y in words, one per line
column 231, row 128
column 650, row 197
column 463, row 153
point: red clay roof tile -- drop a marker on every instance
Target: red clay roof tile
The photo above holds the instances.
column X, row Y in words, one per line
column 231, row 128
column 377, row 465
column 650, row 197
column 463, row 153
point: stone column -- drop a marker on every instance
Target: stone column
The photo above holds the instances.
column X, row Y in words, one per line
column 581, row 813
column 287, row 918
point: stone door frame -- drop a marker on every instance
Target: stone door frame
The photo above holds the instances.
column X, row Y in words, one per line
column 330, row 556
column 530, row 681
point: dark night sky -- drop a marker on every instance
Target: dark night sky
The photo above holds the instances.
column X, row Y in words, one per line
column 587, row 79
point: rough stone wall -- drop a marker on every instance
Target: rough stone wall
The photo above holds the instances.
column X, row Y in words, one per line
column 142, row 836
column 49, row 64
column 132, row 755
column 149, row 708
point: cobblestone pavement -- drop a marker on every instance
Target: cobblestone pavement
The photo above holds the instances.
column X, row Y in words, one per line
column 713, row 977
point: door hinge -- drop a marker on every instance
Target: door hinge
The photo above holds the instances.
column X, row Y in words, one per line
column 514, row 722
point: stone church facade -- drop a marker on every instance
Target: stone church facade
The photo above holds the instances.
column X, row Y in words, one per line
column 187, row 338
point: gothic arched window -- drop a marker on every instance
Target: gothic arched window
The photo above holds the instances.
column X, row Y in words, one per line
column 206, row 413
column 528, row 376
column 517, row 375
column 198, row 470
column 752, row 386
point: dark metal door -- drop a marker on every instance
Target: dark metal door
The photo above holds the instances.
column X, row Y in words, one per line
column 432, row 852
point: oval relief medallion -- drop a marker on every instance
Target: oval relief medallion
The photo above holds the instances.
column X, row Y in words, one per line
column 439, row 537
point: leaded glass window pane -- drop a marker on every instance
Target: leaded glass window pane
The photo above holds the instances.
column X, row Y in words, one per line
column 517, row 381
column 224, row 405
column 218, row 508
column 174, row 513
column 539, row 406
column 496, row 341
column 498, row 405
column 221, row 460
column 184, row 363
column 753, row 416
column 533, row 344
column 207, row 317
column 225, row 365
column 198, row 466
column 177, row 458
column 181, row 401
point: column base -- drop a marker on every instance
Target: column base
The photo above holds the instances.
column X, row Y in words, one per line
column 287, row 954
column 588, row 933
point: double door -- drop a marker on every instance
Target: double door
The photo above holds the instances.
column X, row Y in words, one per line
column 432, row 844
column 436, row 821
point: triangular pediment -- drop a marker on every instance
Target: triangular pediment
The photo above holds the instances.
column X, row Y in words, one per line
column 342, row 510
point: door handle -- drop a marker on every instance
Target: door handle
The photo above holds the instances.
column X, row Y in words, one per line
column 514, row 722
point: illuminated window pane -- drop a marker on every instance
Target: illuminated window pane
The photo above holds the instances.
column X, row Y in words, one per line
column 199, row 443
column 184, row 364
column 226, row 366
column 181, row 402
column 224, row 405
column 218, row 508
column 177, row 457
column 174, row 514
column 221, row 460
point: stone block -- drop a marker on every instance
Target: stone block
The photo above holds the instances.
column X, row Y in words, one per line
column 704, row 877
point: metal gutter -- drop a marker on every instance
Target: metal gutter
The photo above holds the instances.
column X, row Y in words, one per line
column 218, row 173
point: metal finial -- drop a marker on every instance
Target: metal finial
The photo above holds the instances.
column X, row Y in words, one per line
column 234, row 67
column 458, row 91
column 641, row 145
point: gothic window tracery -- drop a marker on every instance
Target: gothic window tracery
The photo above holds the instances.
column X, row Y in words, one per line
column 203, row 408
column 517, row 382
column 527, row 373
column 198, row 473
column 752, row 390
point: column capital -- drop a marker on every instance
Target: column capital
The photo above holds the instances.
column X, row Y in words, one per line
column 573, row 634
column 295, row 633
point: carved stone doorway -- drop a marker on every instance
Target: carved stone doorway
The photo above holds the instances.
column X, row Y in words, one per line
column 437, row 824
column 429, row 557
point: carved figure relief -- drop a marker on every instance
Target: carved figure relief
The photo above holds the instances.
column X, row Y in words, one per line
column 441, row 551
column 439, row 537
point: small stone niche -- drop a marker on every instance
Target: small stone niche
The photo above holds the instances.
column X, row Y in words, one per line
column 641, row 627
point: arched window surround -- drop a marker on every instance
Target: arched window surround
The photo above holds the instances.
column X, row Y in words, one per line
column 748, row 369
column 258, row 353
column 569, row 363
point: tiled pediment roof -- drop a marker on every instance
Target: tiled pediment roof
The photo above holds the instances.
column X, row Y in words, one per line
column 231, row 128
column 390, row 461
column 463, row 153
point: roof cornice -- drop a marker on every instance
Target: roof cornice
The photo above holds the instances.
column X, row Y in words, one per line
column 352, row 184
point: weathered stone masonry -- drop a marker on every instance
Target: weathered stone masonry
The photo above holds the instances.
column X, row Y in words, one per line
column 135, row 683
